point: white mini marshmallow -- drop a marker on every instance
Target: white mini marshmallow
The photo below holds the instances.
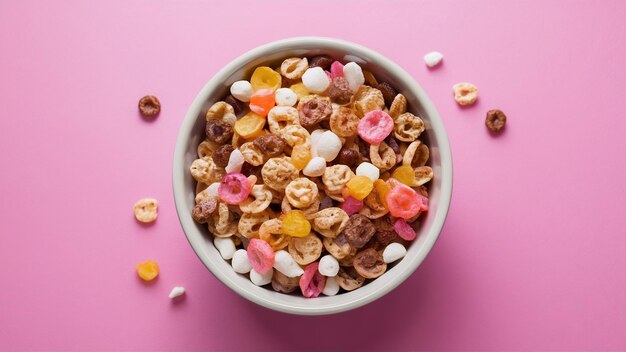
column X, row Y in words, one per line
column 328, row 146
column 225, row 246
column 329, row 266
column 393, row 252
column 242, row 90
column 284, row 262
column 285, row 97
column 369, row 170
column 315, row 80
column 433, row 58
column 331, row 287
column 212, row 189
column 315, row 167
column 240, row 262
column 176, row 291
column 235, row 162
column 354, row 75
column 261, row 279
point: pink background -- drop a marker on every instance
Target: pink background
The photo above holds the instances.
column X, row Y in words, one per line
column 531, row 257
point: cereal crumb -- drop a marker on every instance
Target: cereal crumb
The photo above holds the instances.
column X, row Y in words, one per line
column 146, row 210
column 433, row 58
column 176, row 292
column 149, row 106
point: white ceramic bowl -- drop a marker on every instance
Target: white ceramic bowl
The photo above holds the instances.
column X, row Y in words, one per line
column 192, row 133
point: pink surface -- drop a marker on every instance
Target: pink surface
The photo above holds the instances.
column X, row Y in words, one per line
column 531, row 257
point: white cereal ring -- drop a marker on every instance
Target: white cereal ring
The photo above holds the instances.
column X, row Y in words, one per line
column 335, row 177
column 301, row 192
column 330, row 222
column 305, row 250
column 259, row 199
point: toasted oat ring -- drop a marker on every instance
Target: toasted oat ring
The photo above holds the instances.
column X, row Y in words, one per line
column 335, row 178
column 251, row 154
column 416, row 154
column 206, row 148
column 270, row 232
column 222, row 111
column 423, row 174
column 339, row 250
column 398, row 106
column 280, row 117
column 278, row 172
column 250, row 223
column 343, row 121
column 259, row 199
column 146, row 210
column 349, row 279
column 221, row 223
column 369, row 263
column 367, row 99
column 330, row 222
column 295, row 134
column 408, row 127
column 305, row 250
column 206, row 171
column 294, row 67
column 309, row 212
column 301, row 192
column 382, row 156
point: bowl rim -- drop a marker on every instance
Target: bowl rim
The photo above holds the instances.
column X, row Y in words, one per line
column 438, row 129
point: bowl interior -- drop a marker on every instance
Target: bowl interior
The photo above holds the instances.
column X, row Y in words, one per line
column 192, row 133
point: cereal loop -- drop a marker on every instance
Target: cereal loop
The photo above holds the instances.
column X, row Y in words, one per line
column 382, row 156
column 330, row 222
column 295, row 134
column 369, row 264
column 271, row 232
column 259, row 199
column 349, row 279
column 146, row 210
column 278, row 173
column 207, row 148
column 251, row 154
column 222, row 223
column 368, row 99
column 343, row 121
column 305, row 250
column 301, row 192
column 294, row 67
column 408, row 127
column 335, row 178
column 465, row 93
column 223, row 112
column 313, row 109
column 206, row 171
column 416, row 154
column 280, row 117
column 250, row 223
column 398, row 106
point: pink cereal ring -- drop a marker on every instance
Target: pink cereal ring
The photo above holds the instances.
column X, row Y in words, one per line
column 336, row 70
column 403, row 201
column 404, row 230
column 351, row 205
column 234, row 188
column 312, row 282
column 260, row 255
column 375, row 126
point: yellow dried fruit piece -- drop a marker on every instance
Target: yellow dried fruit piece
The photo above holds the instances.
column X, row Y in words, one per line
column 300, row 90
column 148, row 270
column 382, row 188
column 404, row 174
column 264, row 77
column 359, row 187
column 301, row 155
column 250, row 126
column 295, row 224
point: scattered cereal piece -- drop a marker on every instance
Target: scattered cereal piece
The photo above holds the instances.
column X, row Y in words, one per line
column 261, row 279
column 146, row 210
column 176, row 292
column 285, row 97
column 312, row 282
column 328, row 146
column 315, row 80
column 225, row 246
column 329, row 266
column 393, row 252
column 465, row 93
column 148, row 270
column 433, row 58
column 240, row 262
column 354, row 75
column 369, row 170
column 284, row 262
column 332, row 287
column 242, row 90
column 149, row 106
column 315, row 167
column 495, row 120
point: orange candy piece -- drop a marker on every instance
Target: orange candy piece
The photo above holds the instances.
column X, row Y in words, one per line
column 301, row 155
column 405, row 174
column 262, row 101
column 360, row 186
column 148, row 270
column 250, row 126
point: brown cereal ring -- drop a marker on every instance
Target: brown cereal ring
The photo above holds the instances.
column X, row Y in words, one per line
column 239, row 107
column 398, row 106
column 283, row 283
column 495, row 120
column 423, row 174
column 202, row 212
column 218, row 131
column 305, row 250
column 348, row 156
column 278, row 172
column 251, row 154
column 367, row 99
column 249, row 223
column 335, row 178
column 206, row 171
column 301, row 192
column 222, row 222
column 146, row 210
column 389, row 93
column 343, row 121
column 271, row 232
column 270, row 145
column 349, row 279
column 339, row 91
column 330, row 222
column 359, row 230
column 338, row 249
column 416, row 154
column 207, row 148
column 408, row 127
column 295, row 134
column 382, row 156
column 323, row 61
column 465, row 93
column 385, row 234
column 369, row 264
column 222, row 111
column 370, row 79
column 312, row 109
column 149, row 106
column 280, row 117
column 294, row 67
column 222, row 154
column 259, row 199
